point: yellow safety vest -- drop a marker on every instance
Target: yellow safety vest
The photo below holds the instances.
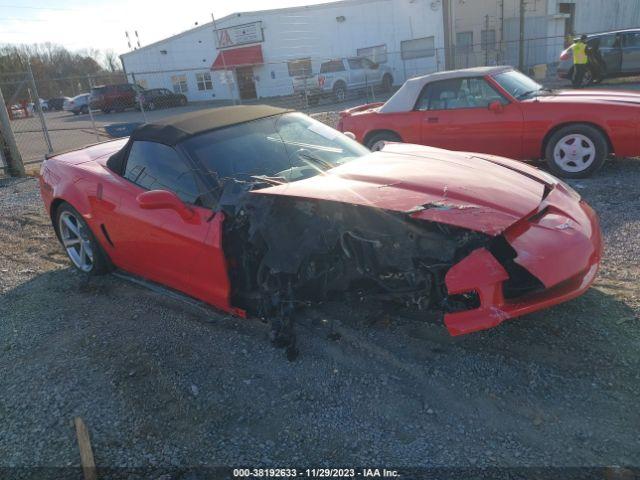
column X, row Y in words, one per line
column 580, row 53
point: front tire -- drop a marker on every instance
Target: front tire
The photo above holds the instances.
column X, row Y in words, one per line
column 80, row 244
column 378, row 140
column 576, row 151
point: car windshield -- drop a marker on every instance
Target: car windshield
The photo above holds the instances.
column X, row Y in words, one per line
column 278, row 149
column 517, row 84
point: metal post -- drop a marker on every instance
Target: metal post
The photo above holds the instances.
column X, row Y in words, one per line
column 144, row 115
column 38, row 107
column 502, row 53
column 523, row 4
column 224, row 61
column 14, row 162
column 90, row 110
column 486, row 40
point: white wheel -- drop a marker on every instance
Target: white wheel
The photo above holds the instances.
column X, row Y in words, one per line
column 574, row 153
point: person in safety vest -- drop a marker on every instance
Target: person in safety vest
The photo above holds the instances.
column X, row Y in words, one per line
column 580, row 61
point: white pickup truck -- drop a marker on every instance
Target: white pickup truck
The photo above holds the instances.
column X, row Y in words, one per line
column 339, row 76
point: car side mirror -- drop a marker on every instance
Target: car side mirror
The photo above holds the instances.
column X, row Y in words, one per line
column 164, row 200
column 496, row 107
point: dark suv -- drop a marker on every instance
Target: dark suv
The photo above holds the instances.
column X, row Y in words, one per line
column 114, row 97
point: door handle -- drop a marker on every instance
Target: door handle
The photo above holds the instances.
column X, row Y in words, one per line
column 433, row 120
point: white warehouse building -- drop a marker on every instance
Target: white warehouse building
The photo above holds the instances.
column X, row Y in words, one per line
column 257, row 54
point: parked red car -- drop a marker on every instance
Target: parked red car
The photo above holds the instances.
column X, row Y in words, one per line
column 258, row 210
column 500, row 111
column 115, row 97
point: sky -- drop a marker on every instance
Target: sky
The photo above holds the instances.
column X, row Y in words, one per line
column 101, row 24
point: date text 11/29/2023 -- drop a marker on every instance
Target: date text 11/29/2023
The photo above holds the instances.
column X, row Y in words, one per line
column 314, row 473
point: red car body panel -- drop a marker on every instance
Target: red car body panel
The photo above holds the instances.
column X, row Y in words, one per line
column 158, row 245
column 496, row 196
column 518, row 131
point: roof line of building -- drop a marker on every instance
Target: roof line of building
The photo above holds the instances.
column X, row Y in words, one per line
column 224, row 19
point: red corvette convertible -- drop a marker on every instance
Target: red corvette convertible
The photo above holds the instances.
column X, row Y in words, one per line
column 500, row 111
column 258, row 209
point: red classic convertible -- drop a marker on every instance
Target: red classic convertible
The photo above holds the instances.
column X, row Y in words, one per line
column 500, row 111
column 259, row 210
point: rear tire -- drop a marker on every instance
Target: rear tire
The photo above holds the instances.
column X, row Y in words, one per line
column 377, row 140
column 84, row 110
column 576, row 151
column 82, row 248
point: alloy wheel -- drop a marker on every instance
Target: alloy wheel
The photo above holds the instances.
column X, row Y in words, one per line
column 76, row 241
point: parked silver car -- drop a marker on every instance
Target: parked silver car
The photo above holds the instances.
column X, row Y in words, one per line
column 620, row 52
column 78, row 104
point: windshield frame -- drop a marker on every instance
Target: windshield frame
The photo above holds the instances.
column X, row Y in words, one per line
column 527, row 91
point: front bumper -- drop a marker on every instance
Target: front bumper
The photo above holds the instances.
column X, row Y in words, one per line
column 560, row 244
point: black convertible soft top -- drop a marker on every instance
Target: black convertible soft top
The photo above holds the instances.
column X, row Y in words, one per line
column 175, row 129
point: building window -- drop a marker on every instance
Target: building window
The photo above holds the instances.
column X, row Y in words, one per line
column 488, row 39
column 417, row 48
column 377, row 54
column 204, row 81
column 300, row 67
column 464, row 42
column 179, row 83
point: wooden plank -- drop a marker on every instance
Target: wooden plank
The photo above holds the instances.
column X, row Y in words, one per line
column 86, row 453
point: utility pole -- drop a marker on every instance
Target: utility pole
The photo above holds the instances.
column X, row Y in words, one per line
column 523, row 5
column 14, row 162
column 448, row 27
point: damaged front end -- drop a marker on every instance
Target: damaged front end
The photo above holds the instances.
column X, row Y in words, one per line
column 288, row 251
column 285, row 252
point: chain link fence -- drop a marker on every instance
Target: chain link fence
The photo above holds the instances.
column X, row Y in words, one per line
column 54, row 114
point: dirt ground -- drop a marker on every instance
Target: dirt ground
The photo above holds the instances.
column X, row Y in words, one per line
column 162, row 383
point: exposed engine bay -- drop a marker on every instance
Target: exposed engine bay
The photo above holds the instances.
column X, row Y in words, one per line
column 285, row 252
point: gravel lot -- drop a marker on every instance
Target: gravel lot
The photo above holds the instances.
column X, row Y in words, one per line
column 162, row 383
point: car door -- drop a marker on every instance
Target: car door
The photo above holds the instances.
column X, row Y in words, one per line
column 373, row 75
column 611, row 51
column 630, row 52
column 356, row 73
column 162, row 244
column 161, row 98
column 456, row 115
column 173, row 99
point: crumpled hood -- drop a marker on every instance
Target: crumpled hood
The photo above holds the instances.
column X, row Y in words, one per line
column 461, row 189
column 592, row 95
